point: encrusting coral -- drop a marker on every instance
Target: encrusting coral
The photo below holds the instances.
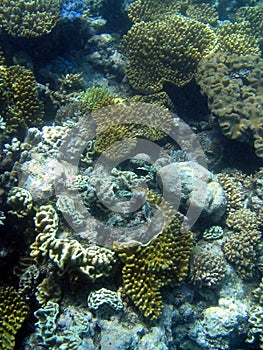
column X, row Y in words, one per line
column 13, row 311
column 29, row 18
column 148, row 268
column 166, row 50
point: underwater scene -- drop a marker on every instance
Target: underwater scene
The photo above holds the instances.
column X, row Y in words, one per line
column 131, row 171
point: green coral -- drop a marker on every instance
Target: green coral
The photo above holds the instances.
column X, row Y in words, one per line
column 166, row 50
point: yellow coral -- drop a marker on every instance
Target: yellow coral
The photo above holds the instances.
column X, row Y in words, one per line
column 13, row 311
column 29, row 18
column 203, row 13
column 148, row 268
column 166, row 50
column 20, row 105
column 237, row 38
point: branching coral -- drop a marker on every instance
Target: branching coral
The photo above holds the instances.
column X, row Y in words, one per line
column 13, row 311
column 148, row 268
column 20, row 105
column 240, row 248
column 29, row 18
column 166, row 50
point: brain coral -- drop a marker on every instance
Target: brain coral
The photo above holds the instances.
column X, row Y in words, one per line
column 233, row 84
column 29, row 18
column 148, row 268
column 20, row 105
column 13, row 311
column 166, row 50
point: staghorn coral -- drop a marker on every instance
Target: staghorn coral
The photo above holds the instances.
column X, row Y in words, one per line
column 148, row 268
column 240, row 248
column 207, row 269
column 237, row 38
column 166, row 50
column 29, row 18
column 233, row 84
column 13, row 311
column 20, row 105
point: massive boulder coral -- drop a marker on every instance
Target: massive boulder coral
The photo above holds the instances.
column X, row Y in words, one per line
column 233, row 84
column 148, row 268
column 20, row 105
column 166, row 50
column 29, row 18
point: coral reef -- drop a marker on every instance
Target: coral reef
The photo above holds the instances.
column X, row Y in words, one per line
column 213, row 233
column 233, row 86
column 20, row 105
column 103, row 298
column 240, row 248
column 29, row 18
column 166, row 50
column 68, row 254
column 13, row 311
column 20, row 202
column 148, row 268
column 206, row 269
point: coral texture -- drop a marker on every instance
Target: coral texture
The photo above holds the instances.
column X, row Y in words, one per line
column 29, row 18
column 233, row 84
column 20, row 105
column 13, row 311
column 148, row 268
column 166, row 50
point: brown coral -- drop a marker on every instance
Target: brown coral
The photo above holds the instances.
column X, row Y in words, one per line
column 240, row 249
column 233, row 84
column 148, row 268
column 166, row 50
column 13, row 311
column 20, row 105
column 29, row 18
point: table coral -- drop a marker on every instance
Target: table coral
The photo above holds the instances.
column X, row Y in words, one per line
column 20, row 105
column 29, row 18
column 166, row 50
column 233, row 84
column 253, row 15
column 13, row 311
column 148, row 268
